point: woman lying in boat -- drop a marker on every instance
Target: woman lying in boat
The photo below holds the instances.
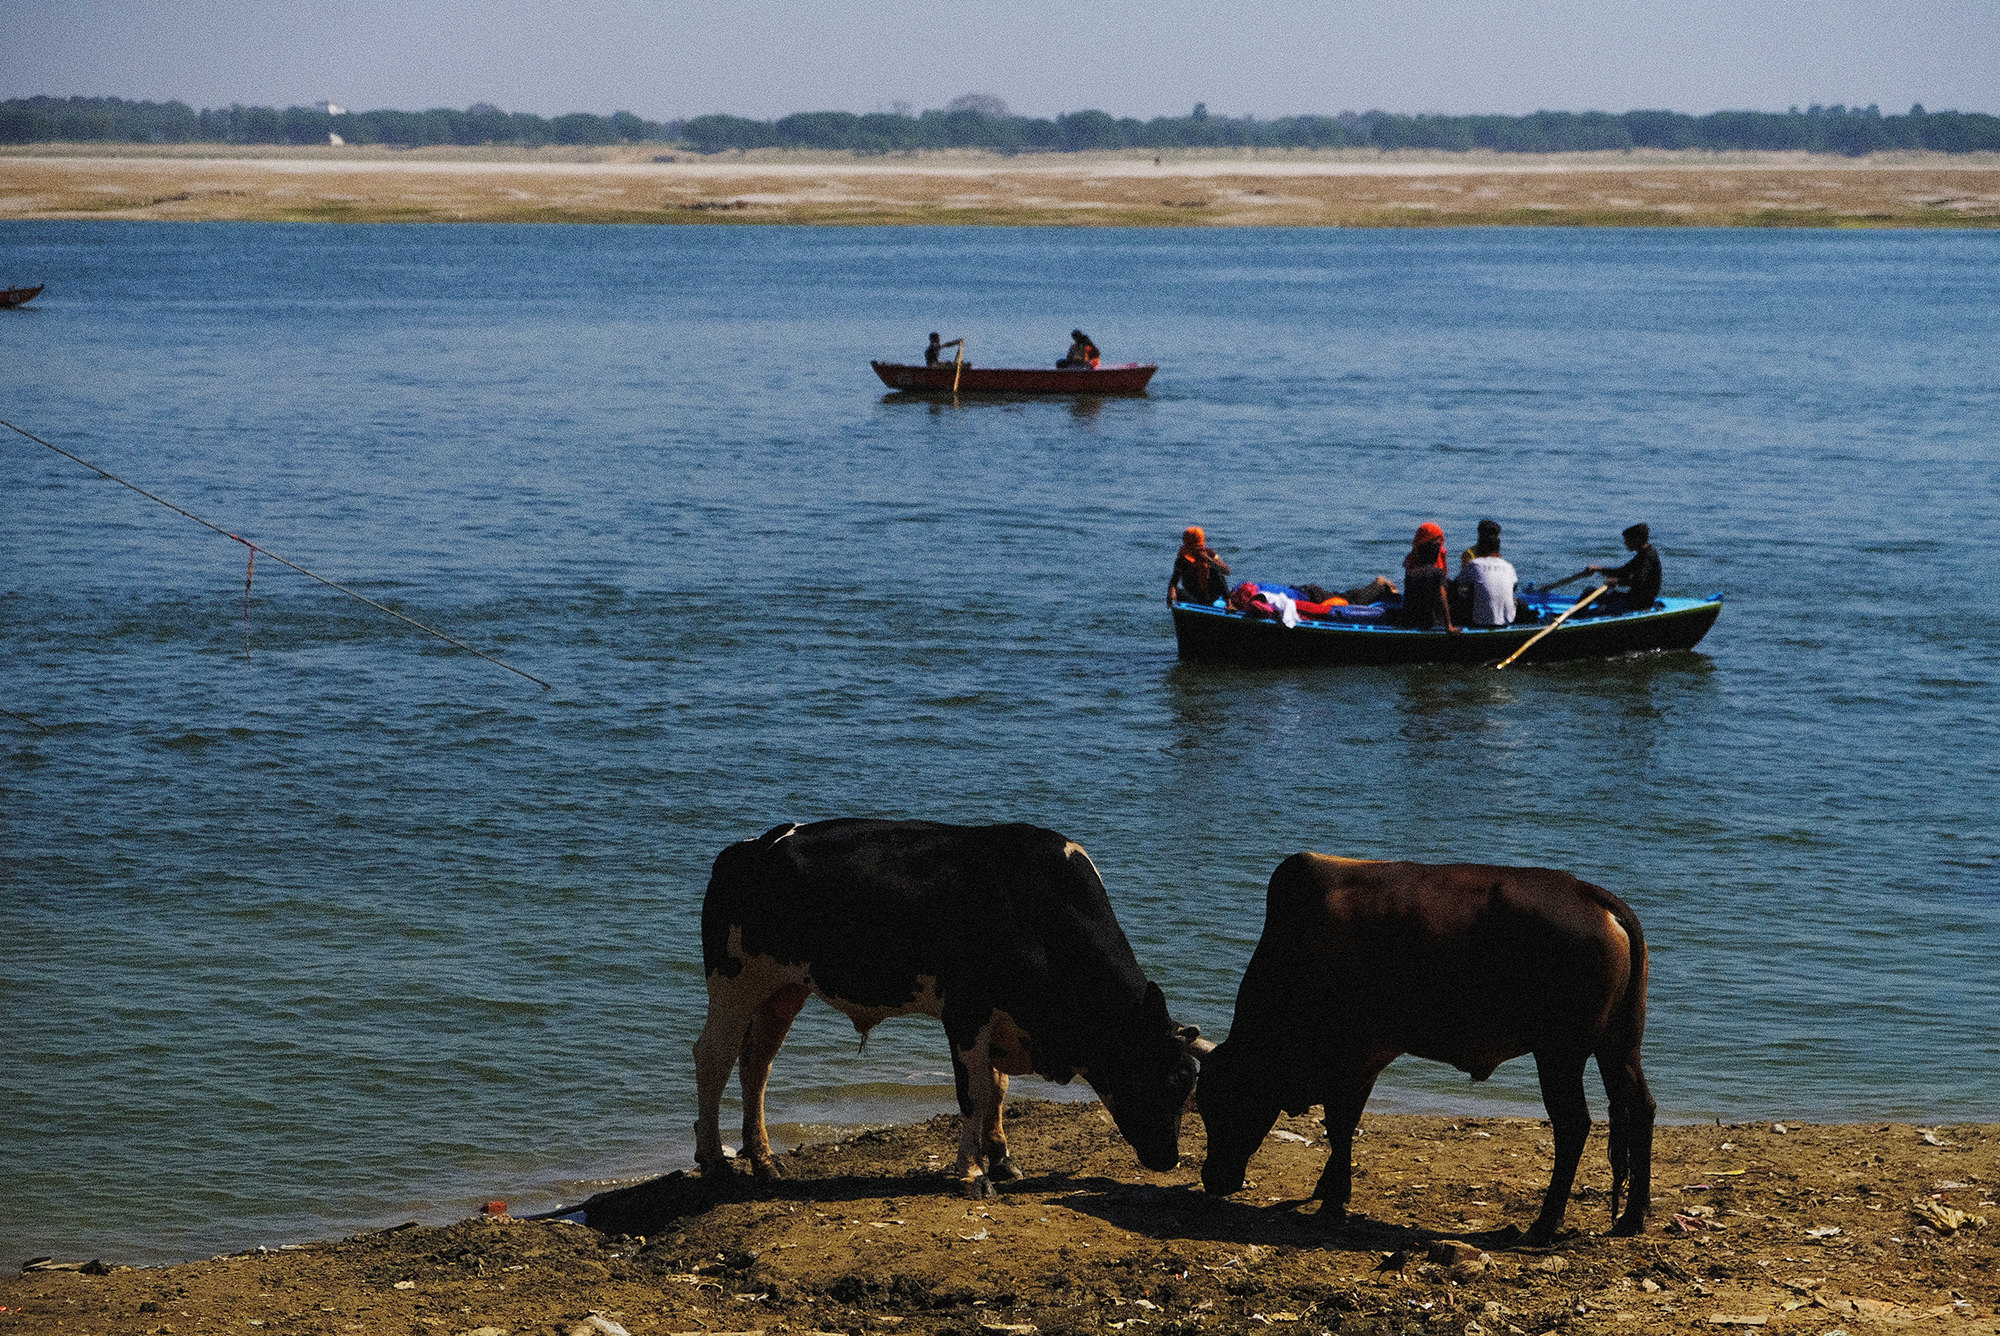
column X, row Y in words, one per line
column 1311, row 603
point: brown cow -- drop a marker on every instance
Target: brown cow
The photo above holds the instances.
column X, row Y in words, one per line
column 1463, row 963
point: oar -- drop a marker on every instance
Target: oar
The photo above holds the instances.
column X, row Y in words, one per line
column 1566, row 579
column 1573, row 610
column 959, row 367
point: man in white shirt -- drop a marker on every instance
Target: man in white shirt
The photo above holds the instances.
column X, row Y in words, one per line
column 1488, row 579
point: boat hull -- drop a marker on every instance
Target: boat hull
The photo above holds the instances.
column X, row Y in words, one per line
column 1215, row 635
column 1128, row 379
column 18, row 296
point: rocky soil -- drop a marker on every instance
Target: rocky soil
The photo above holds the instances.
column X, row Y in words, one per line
column 1788, row 1227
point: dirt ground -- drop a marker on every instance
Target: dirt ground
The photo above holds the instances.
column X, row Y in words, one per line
column 1268, row 188
column 1854, row 1228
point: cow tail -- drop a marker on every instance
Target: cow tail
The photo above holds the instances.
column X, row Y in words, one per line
column 1632, row 1105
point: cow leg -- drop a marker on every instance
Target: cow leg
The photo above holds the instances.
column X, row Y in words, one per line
column 1632, row 1110
column 1342, row 1108
column 715, row 1054
column 983, row 1089
column 993, row 1138
column 768, row 1027
column 1000, row 1166
column 1569, row 1116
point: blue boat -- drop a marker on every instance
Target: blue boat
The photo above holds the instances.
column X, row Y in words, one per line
column 1363, row 635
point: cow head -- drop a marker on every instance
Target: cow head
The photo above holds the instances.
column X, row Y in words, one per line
column 1236, row 1111
column 1147, row 1091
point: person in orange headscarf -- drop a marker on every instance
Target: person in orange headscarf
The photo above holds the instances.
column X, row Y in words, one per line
column 1082, row 354
column 1199, row 575
column 1425, row 604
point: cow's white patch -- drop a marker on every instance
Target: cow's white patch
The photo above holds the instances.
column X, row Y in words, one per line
column 1071, row 849
column 762, row 975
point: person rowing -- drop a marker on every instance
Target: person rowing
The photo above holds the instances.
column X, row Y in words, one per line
column 935, row 353
column 1640, row 577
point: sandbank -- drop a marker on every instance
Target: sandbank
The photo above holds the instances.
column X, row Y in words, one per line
column 1351, row 188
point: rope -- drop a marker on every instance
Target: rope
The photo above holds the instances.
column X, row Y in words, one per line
column 248, row 576
column 254, row 550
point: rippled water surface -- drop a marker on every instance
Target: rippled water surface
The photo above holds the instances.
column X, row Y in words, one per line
column 312, row 922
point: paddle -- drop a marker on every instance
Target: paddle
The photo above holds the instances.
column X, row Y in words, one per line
column 1570, row 612
column 1566, row 579
column 958, row 367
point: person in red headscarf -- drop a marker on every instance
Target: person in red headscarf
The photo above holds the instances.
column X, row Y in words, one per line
column 1425, row 604
column 1200, row 576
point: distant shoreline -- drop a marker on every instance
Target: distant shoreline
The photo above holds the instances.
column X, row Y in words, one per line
column 1176, row 188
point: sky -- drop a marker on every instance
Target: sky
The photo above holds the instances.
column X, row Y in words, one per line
column 666, row 59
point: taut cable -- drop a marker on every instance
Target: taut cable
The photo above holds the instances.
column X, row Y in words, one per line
column 254, row 549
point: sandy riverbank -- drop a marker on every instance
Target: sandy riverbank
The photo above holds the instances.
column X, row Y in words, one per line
column 1266, row 188
column 1786, row 1227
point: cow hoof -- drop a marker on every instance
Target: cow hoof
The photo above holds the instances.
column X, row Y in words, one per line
column 766, row 1170
column 978, row 1187
column 1004, row 1171
column 1330, row 1216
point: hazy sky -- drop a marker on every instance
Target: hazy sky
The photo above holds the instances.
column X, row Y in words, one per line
column 762, row 58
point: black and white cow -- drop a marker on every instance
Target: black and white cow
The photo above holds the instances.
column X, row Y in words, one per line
column 1464, row 963
column 1002, row 932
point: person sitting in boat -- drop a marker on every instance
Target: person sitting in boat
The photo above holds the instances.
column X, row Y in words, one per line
column 1082, row 354
column 1200, row 576
column 1487, row 579
column 1640, row 576
column 1425, row 605
column 935, row 353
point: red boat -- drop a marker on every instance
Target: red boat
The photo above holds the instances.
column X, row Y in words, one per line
column 946, row 377
column 17, row 296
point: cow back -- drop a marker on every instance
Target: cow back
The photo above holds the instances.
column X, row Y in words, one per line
column 1011, row 917
column 1463, row 963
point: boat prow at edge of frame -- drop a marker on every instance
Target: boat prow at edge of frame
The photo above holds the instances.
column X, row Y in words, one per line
column 1209, row 634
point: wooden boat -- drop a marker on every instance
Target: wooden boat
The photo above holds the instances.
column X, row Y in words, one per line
column 1213, row 634
column 1130, row 378
column 18, row 296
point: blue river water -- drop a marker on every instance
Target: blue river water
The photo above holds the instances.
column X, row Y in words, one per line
column 311, row 922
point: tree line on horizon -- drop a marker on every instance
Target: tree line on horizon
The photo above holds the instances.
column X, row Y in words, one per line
column 983, row 122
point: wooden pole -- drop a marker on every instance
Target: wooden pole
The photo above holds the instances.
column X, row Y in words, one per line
column 1573, row 610
column 958, row 368
column 1566, row 579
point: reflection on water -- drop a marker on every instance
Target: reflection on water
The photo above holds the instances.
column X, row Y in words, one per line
column 1081, row 406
